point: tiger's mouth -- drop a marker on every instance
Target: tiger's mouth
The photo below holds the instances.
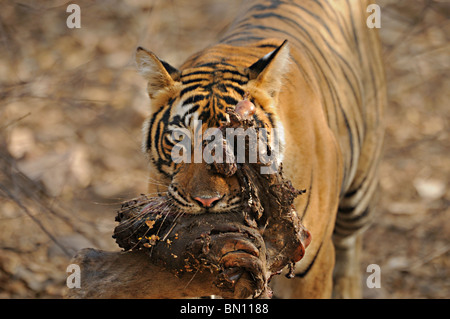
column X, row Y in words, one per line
column 207, row 202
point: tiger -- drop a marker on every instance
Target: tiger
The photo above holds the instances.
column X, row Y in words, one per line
column 314, row 71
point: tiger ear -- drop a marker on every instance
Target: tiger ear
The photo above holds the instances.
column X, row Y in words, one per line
column 268, row 72
column 158, row 73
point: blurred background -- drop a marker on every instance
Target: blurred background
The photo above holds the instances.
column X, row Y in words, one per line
column 72, row 106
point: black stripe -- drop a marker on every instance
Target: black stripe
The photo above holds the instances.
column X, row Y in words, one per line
column 270, row 117
column 350, row 135
column 227, row 71
column 237, row 89
column 215, row 64
column 159, row 165
column 196, row 80
column 197, row 72
column 159, row 133
column 193, row 109
column 355, row 37
column 152, row 122
column 353, row 218
column 242, row 37
column 229, row 100
column 356, row 189
column 194, row 99
column 309, row 197
column 189, row 89
column 314, row 16
column 177, row 192
column 205, row 115
column 273, row 46
column 304, row 273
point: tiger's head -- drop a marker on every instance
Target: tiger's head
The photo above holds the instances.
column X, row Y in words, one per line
column 194, row 98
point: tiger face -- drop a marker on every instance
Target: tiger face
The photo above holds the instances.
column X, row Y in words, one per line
column 195, row 98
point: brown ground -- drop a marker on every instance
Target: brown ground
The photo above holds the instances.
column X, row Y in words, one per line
column 71, row 107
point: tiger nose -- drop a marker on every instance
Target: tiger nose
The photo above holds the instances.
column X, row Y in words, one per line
column 207, row 201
